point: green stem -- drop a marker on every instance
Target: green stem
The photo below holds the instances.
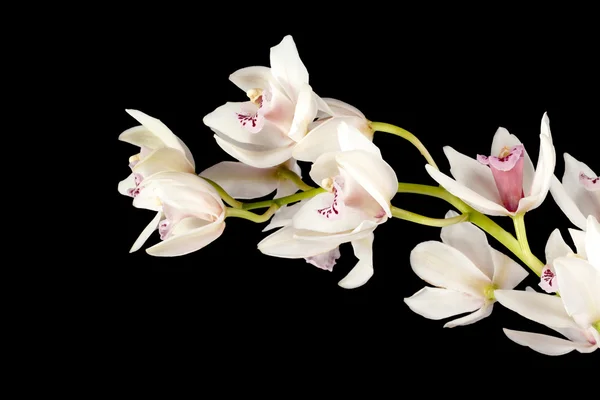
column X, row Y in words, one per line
column 284, row 200
column 534, row 263
column 258, row 218
column 292, row 176
column 479, row 219
column 597, row 326
column 224, row 195
column 403, row 133
column 423, row 220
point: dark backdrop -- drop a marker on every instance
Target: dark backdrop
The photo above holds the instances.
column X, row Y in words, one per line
column 448, row 84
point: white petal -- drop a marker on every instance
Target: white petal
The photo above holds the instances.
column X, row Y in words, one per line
column 287, row 67
column 444, row 266
column 566, row 203
column 436, row 303
column 548, row 345
column 361, row 231
column 592, row 242
column 324, row 167
column 256, row 158
column 502, row 138
column 242, row 181
column 507, row 272
column 162, row 160
column 285, row 188
column 283, row 216
column 319, row 140
column 544, row 171
column 578, row 238
column 471, row 241
column 283, row 244
column 350, row 138
column 252, row 78
column 340, row 108
column 587, row 202
column 126, row 184
column 556, row 247
column 478, row 315
column 189, row 242
column 468, row 195
column 310, row 219
column 224, row 121
column 579, row 288
column 148, row 230
column 304, row 114
column 363, row 270
column 376, row 176
column 469, row 172
column 542, row 308
column 160, row 130
column 545, row 127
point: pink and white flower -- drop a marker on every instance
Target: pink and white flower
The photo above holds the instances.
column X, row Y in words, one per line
column 262, row 132
column 190, row 213
column 360, row 186
column 578, row 195
column 465, row 271
column 160, row 150
column 575, row 314
column 504, row 183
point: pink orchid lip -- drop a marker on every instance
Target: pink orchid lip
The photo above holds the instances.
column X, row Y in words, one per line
column 589, row 183
column 507, row 170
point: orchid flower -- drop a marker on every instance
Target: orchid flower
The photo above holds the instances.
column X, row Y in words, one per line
column 190, row 213
column 160, row 150
column 262, row 132
column 504, row 183
column 243, row 181
column 322, row 136
column 360, row 186
column 578, row 195
column 465, row 270
column 575, row 314
column 587, row 244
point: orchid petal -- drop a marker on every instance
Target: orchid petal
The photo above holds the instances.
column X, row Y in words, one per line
column 161, row 160
column 375, row 175
column 304, row 114
column 441, row 265
column 160, row 130
column 361, row 231
column 363, row 270
column 579, row 287
column 340, row 108
column 587, row 202
column 578, row 238
column 471, row 241
column 188, row 242
column 541, row 308
column 542, row 178
column 507, row 272
column 320, row 140
column 436, row 303
column 283, row 216
column 146, row 233
column 256, row 158
column 309, row 218
column 324, row 167
column 592, row 242
column 350, row 138
column 287, row 67
column 287, row 187
column 284, row 244
column 548, row 345
column 126, row 184
column 478, row 315
column 556, row 247
column 566, row 203
column 252, row 78
column 243, row 181
column 502, row 138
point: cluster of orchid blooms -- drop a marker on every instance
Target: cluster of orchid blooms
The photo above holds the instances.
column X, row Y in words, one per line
column 285, row 121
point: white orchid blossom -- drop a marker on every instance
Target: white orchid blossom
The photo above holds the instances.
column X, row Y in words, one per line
column 466, row 271
column 504, row 183
column 262, row 132
column 578, row 195
column 190, row 213
column 322, row 136
column 587, row 245
column 575, row 314
column 360, row 186
column 160, row 150
column 243, row 181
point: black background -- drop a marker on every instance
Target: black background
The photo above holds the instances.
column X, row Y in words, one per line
column 450, row 83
